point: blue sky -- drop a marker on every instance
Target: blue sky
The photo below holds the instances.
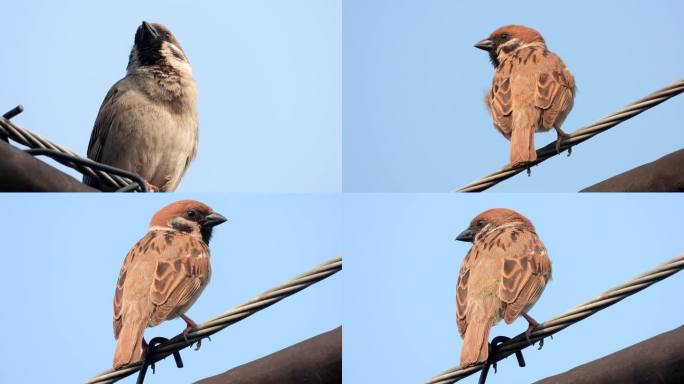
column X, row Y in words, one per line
column 413, row 90
column 399, row 315
column 57, row 299
column 268, row 74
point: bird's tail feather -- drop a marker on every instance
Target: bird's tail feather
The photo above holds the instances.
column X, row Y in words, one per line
column 525, row 123
column 475, row 343
column 129, row 344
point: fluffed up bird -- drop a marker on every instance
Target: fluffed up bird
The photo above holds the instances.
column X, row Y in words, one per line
column 162, row 275
column 532, row 90
column 502, row 276
column 148, row 121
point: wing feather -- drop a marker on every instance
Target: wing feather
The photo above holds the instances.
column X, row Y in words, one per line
column 526, row 269
column 500, row 103
column 462, row 291
column 555, row 92
column 103, row 125
column 179, row 277
column 119, row 293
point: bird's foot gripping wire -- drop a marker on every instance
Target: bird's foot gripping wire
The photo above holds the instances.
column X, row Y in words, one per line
column 562, row 136
column 149, row 362
column 491, row 359
column 532, row 324
column 190, row 325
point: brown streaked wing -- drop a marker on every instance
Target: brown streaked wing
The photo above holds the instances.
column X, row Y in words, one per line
column 500, row 104
column 119, row 291
column 103, row 123
column 462, row 292
column 526, row 269
column 554, row 92
column 179, row 275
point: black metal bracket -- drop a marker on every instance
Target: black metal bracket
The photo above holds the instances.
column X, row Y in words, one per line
column 491, row 359
column 149, row 362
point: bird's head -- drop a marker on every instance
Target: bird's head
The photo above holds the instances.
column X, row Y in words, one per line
column 188, row 216
column 507, row 39
column 491, row 219
column 155, row 45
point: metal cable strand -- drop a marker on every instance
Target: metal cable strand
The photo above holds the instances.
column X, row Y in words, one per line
column 234, row 315
column 579, row 136
column 570, row 317
column 33, row 140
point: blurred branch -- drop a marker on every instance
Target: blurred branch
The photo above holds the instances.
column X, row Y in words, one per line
column 317, row 360
column 21, row 172
column 663, row 175
column 659, row 359
column 120, row 179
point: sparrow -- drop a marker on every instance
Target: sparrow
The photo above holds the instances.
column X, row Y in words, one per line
column 162, row 275
column 501, row 277
column 532, row 89
column 148, row 121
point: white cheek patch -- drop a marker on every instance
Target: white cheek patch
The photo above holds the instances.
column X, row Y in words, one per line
column 172, row 51
column 176, row 58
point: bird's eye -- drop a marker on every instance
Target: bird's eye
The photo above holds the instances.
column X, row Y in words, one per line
column 480, row 223
column 504, row 36
column 191, row 214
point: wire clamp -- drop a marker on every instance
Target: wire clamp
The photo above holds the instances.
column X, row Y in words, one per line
column 491, row 359
column 149, row 361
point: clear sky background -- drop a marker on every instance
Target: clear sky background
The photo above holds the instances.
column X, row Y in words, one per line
column 399, row 315
column 268, row 74
column 62, row 257
column 413, row 90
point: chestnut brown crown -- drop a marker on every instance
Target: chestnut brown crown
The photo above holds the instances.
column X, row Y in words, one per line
column 493, row 218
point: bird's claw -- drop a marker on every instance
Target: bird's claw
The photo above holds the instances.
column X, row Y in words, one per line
column 562, row 136
column 191, row 325
column 186, row 332
column 151, row 187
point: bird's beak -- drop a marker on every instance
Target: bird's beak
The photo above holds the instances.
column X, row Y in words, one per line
column 466, row 236
column 148, row 31
column 486, row 45
column 214, row 219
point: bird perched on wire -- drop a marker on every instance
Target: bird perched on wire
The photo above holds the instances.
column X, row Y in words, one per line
column 162, row 275
column 532, row 90
column 148, row 121
column 502, row 276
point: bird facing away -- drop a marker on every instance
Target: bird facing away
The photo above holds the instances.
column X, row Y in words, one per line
column 148, row 121
column 501, row 277
column 532, row 89
column 162, row 275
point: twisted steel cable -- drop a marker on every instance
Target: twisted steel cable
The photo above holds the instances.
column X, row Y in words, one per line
column 570, row 317
column 32, row 140
column 234, row 315
column 579, row 136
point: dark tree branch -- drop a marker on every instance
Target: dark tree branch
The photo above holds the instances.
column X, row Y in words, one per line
column 21, row 172
column 317, row 360
column 663, row 175
column 658, row 360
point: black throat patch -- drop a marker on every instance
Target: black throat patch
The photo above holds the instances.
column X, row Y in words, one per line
column 206, row 232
